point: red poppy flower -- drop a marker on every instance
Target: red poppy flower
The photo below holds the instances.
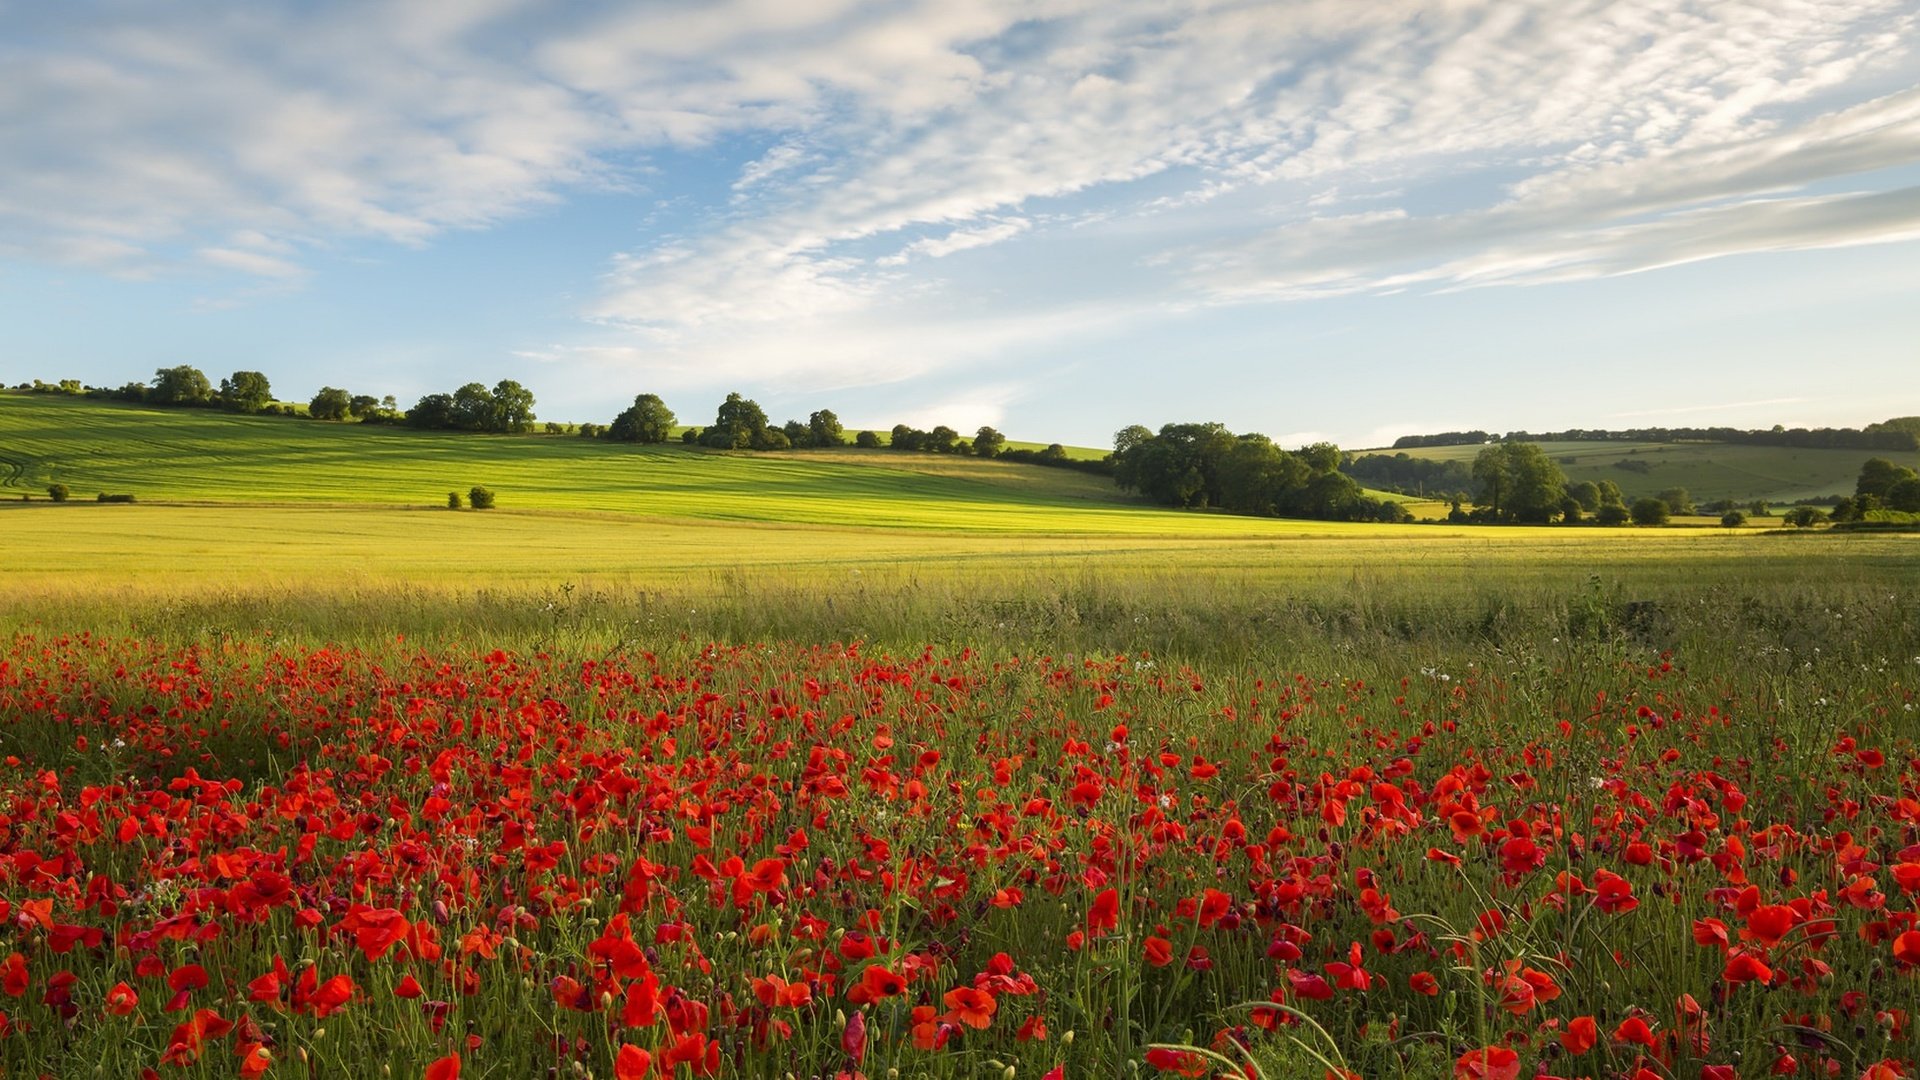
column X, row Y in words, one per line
column 1488, row 1063
column 631, row 1063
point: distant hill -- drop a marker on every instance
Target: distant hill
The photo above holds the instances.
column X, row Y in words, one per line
column 207, row 456
column 1708, row 470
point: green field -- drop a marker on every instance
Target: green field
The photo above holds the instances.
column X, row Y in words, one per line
column 277, row 522
column 203, row 456
column 1709, row 471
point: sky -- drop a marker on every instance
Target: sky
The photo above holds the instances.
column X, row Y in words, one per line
column 1309, row 218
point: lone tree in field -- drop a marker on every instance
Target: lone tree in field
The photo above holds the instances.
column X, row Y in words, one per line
column 1651, row 511
column 454, row 502
column 58, row 492
column 648, row 420
column 480, row 498
column 182, row 385
column 246, row 391
column 331, row 403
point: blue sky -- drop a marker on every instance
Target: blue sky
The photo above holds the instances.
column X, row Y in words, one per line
column 1312, row 218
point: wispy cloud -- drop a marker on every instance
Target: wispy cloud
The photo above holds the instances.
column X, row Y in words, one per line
column 917, row 185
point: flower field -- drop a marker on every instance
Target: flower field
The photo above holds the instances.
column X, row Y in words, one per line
column 232, row 859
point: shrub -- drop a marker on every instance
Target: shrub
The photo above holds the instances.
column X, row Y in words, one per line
column 454, row 502
column 1733, row 519
column 480, row 498
column 106, row 498
column 867, row 440
column 58, row 492
column 1802, row 517
column 1651, row 511
column 1611, row 514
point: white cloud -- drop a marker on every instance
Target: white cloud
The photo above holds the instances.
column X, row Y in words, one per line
column 1109, row 159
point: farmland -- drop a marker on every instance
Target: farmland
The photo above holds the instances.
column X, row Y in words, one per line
column 1708, row 471
column 692, row 764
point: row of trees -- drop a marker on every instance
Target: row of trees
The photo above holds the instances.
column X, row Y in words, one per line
column 1205, row 465
column 507, row 409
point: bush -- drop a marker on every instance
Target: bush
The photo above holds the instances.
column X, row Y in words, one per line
column 454, row 502
column 867, row 440
column 1611, row 514
column 1803, row 517
column 1733, row 519
column 58, row 492
column 480, row 498
column 1651, row 512
column 106, row 498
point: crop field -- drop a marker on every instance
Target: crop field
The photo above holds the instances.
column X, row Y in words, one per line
column 701, row 765
column 1708, row 471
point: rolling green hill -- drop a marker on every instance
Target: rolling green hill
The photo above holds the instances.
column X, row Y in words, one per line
column 205, row 456
column 1709, row 471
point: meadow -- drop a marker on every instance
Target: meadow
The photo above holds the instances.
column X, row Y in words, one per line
column 789, row 766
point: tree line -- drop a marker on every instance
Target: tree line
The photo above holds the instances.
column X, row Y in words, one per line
column 507, row 408
column 1204, row 465
column 1900, row 433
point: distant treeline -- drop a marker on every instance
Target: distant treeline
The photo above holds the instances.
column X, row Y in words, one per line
column 1445, row 438
column 1207, row 466
column 1900, row 433
column 1410, row 475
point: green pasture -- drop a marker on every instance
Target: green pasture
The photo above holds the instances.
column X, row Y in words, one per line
column 205, row 456
column 1709, row 471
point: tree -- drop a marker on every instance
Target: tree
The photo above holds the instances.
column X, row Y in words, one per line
column 432, row 411
column 1677, row 500
column 361, row 406
column 797, row 434
column 1905, row 495
column 1733, row 519
column 774, row 439
column 331, row 403
column 739, row 424
column 480, row 498
column 58, row 492
column 867, row 440
column 454, row 502
column 940, row 440
column 511, row 409
column 1804, row 517
column 1255, row 476
column 1878, row 477
column 905, row 438
column 246, row 391
column 1586, row 493
column 1610, row 514
column 1759, row 508
column 1610, row 494
column 988, row 442
column 182, row 385
column 472, row 407
column 1519, row 482
column 823, row 429
column 1651, row 511
column 1129, row 437
column 647, row 420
